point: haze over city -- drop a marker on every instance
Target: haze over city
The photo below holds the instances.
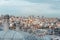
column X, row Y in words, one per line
column 48, row 8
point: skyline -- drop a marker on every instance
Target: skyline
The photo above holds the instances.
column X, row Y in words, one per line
column 48, row 8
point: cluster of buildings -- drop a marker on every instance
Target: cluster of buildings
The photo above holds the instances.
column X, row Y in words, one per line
column 31, row 23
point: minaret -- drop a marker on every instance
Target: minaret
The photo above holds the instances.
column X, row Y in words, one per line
column 6, row 23
column 17, row 25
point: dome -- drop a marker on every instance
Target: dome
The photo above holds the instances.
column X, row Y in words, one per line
column 13, row 35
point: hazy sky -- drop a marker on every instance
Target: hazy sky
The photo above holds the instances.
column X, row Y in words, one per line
column 30, row 7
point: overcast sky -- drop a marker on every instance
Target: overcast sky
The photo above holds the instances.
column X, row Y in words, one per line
column 49, row 8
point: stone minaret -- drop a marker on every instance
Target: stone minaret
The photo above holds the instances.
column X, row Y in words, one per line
column 17, row 25
column 6, row 23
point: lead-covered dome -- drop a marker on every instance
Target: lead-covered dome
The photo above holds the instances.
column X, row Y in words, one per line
column 13, row 35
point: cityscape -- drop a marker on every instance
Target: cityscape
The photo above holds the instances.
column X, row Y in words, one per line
column 29, row 19
column 38, row 26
